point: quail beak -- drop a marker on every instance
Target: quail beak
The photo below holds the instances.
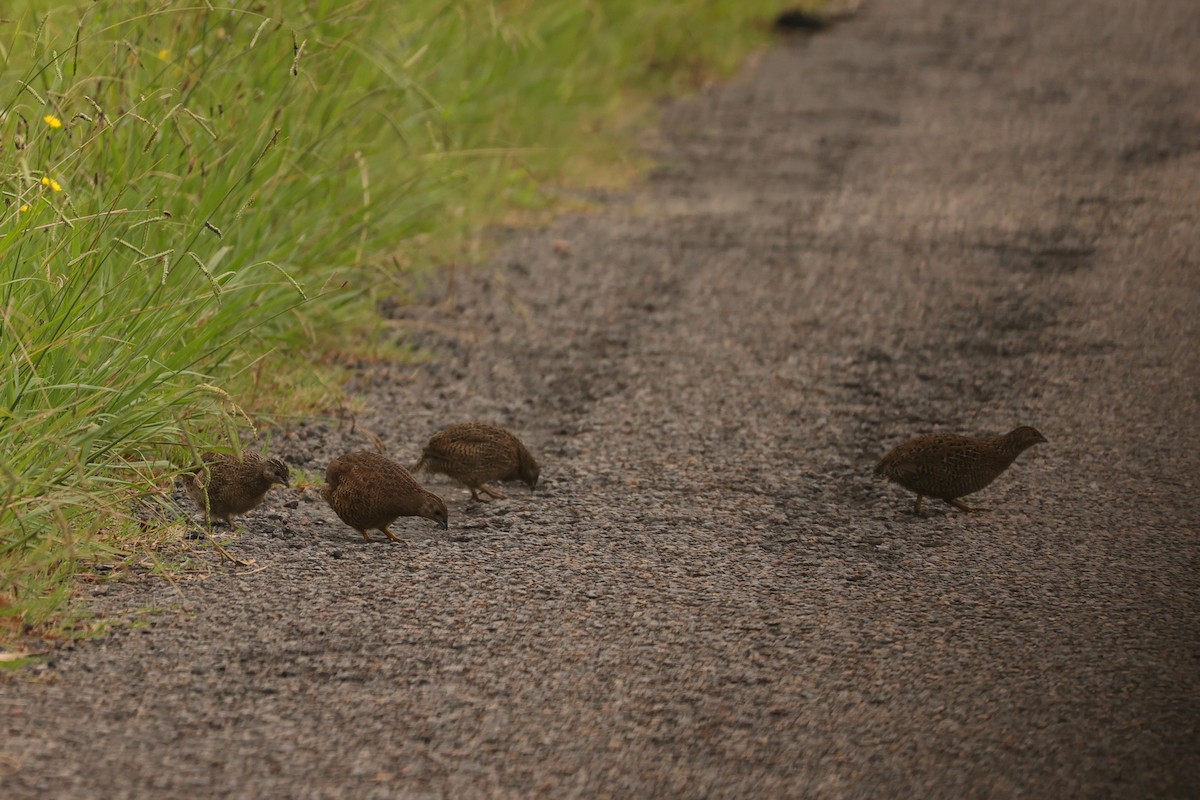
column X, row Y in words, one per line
column 445, row 525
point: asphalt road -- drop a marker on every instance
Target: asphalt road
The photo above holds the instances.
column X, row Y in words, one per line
column 937, row 216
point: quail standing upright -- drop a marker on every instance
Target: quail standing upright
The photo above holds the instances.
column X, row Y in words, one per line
column 227, row 486
column 474, row 452
column 369, row 491
column 948, row 466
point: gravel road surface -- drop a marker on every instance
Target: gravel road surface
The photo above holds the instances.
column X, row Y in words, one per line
column 937, row 216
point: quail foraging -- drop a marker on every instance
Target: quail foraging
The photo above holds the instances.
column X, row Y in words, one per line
column 369, row 492
column 948, row 466
column 800, row 19
column 474, row 452
column 797, row 19
column 227, row 485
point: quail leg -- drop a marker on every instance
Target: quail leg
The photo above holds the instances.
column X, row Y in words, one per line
column 389, row 534
column 489, row 490
column 364, row 533
column 964, row 507
column 917, row 506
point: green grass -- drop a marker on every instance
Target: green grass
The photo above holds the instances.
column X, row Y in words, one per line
column 201, row 204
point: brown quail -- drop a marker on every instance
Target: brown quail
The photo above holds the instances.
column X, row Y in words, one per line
column 227, row 486
column 369, row 492
column 948, row 466
column 474, row 452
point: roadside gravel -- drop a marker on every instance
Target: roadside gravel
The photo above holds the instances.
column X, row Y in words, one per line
column 936, row 216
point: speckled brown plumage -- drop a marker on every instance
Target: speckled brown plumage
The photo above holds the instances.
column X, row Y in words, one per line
column 475, row 452
column 370, row 492
column 948, row 466
column 227, row 486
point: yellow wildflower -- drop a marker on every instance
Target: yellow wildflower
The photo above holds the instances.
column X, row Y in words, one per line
column 24, row 208
column 164, row 53
column 52, row 121
column 53, row 184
